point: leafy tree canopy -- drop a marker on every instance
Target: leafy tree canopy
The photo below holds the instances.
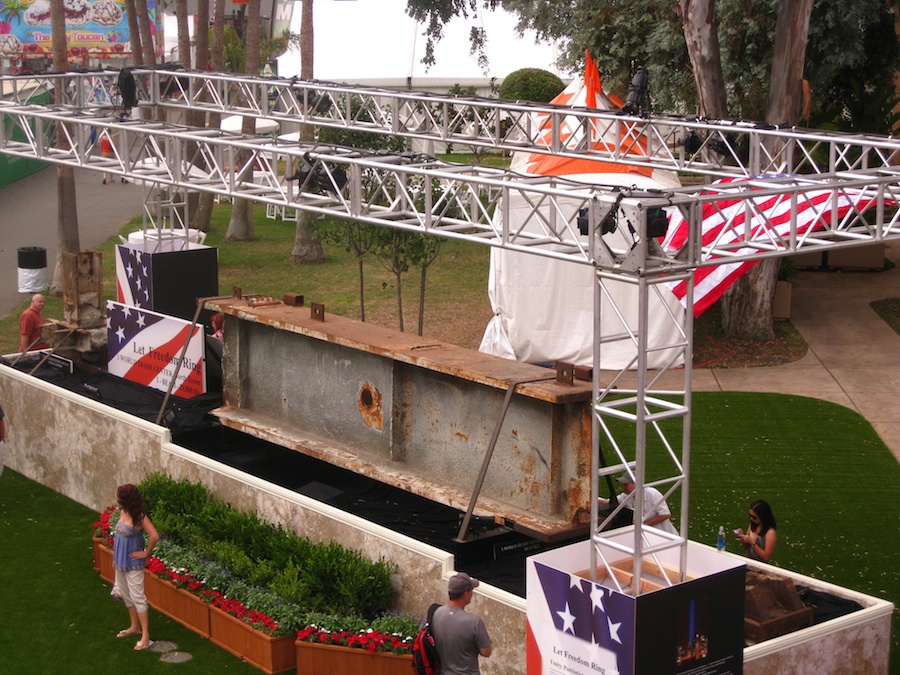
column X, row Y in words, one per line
column 851, row 57
column 531, row 84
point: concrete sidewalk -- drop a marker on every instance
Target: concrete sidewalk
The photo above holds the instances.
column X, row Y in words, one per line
column 28, row 217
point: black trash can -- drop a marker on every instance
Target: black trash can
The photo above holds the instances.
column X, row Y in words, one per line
column 32, row 269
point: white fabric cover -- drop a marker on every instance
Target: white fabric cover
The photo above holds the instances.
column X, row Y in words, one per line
column 544, row 308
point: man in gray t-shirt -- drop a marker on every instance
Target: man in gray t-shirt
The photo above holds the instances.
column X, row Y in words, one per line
column 460, row 637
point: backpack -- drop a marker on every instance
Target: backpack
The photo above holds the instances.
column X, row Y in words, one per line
column 425, row 655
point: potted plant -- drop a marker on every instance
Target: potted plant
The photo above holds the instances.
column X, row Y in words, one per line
column 382, row 648
column 102, row 542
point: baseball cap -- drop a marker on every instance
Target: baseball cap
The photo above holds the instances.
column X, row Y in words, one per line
column 625, row 479
column 460, row 583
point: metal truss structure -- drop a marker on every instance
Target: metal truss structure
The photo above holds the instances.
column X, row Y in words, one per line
column 614, row 230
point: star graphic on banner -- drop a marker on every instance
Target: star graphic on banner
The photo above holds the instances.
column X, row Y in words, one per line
column 141, row 320
column 126, row 311
column 614, row 630
column 108, row 320
column 568, row 620
column 120, row 334
column 575, row 582
column 129, row 269
column 597, row 598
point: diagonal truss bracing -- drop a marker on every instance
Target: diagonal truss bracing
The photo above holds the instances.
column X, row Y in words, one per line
column 680, row 143
column 832, row 191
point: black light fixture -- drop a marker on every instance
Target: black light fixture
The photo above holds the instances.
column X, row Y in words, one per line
column 312, row 174
column 127, row 88
column 692, row 142
column 637, row 92
column 319, row 103
column 657, row 223
column 608, row 224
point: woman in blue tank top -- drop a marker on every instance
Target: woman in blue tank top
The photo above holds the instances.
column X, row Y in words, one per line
column 129, row 558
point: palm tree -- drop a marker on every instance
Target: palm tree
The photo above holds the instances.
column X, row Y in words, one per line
column 240, row 227
column 148, row 45
column 67, row 211
column 134, row 32
column 306, row 249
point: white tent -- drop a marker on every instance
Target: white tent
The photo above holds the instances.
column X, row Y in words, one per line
column 544, row 308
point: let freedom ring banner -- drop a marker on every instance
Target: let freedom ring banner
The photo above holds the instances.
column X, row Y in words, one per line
column 144, row 346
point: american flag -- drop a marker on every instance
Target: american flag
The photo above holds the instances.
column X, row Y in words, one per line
column 725, row 221
column 133, row 277
column 143, row 347
column 583, row 628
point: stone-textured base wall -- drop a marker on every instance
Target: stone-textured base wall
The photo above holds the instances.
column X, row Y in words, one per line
column 84, row 450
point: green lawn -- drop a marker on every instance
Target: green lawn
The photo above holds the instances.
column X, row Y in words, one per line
column 829, row 478
column 59, row 616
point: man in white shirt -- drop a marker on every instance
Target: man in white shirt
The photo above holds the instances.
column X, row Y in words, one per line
column 656, row 511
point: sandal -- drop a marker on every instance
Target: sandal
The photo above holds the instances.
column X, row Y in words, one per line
column 127, row 633
column 141, row 646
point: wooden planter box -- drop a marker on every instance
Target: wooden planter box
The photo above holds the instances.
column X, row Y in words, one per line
column 103, row 561
column 316, row 659
column 177, row 603
column 270, row 654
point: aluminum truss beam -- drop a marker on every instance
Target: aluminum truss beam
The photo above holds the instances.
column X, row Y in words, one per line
column 646, row 427
column 716, row 148
column 420, row 193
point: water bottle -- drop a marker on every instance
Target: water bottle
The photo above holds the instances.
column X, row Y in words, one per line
column 720, row 541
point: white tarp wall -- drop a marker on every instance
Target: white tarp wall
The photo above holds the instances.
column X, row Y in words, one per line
column 544, row 308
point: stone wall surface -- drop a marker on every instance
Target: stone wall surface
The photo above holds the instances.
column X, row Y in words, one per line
column 84, row 450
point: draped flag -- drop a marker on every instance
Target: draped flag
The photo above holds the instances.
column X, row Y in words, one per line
column 133, row 277
column 144, row 346
column 764, row 220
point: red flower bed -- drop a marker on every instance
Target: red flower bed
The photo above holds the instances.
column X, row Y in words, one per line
column 371, row 640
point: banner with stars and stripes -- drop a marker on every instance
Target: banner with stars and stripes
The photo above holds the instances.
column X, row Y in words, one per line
column 134, row 277
column 144, row 347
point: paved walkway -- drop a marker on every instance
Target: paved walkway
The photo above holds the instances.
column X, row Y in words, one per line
column 853, row 358
column 28, row 217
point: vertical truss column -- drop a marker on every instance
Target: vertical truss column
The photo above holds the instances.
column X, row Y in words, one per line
column 634, row 419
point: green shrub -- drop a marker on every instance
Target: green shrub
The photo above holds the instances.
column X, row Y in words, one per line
column 531, row 84
column 240, row 554
column 397, row 624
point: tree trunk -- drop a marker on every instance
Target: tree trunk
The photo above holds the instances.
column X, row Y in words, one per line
column 399, row 282
column 216, row 60
column 201, row 37
column 134, row 32
column 786, row 84
column 422, row 300
column 362, row 288
column 701, row 35
column 307, row 250
column 184, row 34
column 148, row 45
column 240, row 228
column 67, row 207
column 747, row 305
